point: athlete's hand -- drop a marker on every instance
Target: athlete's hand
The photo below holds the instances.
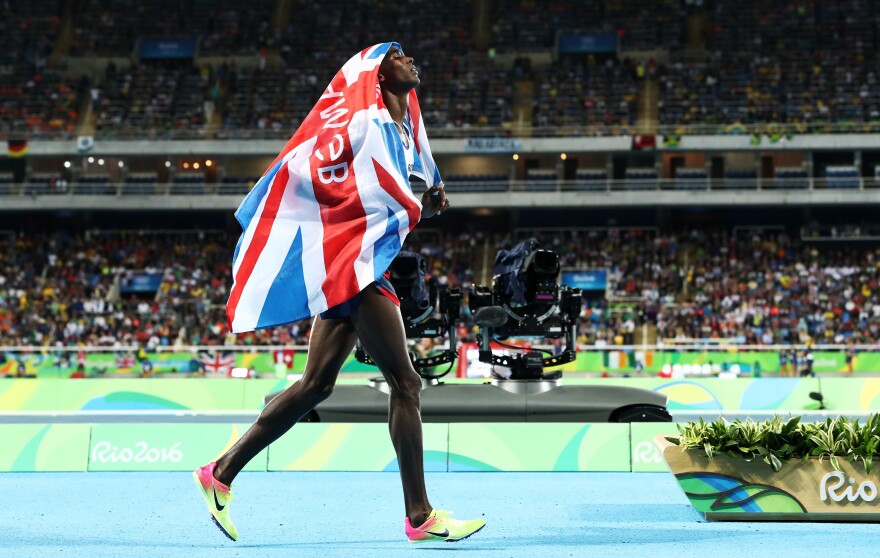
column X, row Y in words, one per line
column 434, row 201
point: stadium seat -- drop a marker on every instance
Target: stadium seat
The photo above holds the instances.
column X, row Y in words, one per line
column 591, row 180
column 695, row 178
column 94, row 184
column 641, row 178
column 842, row 177
column 39, row 184
column 141, row 184
column 233, row 185
column 541, row 180
column 7, row 182
column 476, row 183
column 737, row 179
column 790, row 178
column 188, row 183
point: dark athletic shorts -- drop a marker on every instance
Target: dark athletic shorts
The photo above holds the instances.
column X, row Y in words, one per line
column 347, row 308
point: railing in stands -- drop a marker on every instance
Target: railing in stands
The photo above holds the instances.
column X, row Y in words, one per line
column 580, row 186
column 775, row 132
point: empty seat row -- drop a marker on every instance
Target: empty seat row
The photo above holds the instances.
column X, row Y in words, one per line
column 541, row 180
column 791, row 178
column 691, row 178
column 641, row 178
column 842, row 177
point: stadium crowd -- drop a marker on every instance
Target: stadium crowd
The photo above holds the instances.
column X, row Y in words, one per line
column 756, row 287
column 803, row 62
column 753, row 287
column 256, row 73
column 72, row 290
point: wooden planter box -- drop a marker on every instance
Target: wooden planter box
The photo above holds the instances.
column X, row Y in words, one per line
column 727, row 489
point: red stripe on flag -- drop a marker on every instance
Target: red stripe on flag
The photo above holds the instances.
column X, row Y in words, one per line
column 312, row 125
column 389, row 184
column 342, row 213
column 258, row 241
column 415, row 117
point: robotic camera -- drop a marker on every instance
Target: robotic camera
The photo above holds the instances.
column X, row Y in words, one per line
column 418, row 304
column 526, row 301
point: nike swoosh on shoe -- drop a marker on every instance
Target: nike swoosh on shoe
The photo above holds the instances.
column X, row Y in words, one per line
column 445, row 533
column 216, row 501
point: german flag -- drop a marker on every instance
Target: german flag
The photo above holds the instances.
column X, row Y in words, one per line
column 16, row 148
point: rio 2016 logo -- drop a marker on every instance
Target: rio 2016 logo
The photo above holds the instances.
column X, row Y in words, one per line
column 646, row 452
column 832, row 483
column 141, row 452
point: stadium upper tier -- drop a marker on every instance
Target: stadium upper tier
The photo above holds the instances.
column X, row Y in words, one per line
column 209, row 69
column 757, row 287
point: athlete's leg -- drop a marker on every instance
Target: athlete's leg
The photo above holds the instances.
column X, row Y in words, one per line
column 330, row 344
column 380, row 328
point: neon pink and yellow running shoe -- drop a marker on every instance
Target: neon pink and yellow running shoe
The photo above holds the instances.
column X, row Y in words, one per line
column 441, row 527
column 217, row 496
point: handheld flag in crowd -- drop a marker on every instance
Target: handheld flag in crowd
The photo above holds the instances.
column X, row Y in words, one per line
column 16, row 147
column 220, row 362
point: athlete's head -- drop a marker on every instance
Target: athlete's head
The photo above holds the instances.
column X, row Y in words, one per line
column 397, row 72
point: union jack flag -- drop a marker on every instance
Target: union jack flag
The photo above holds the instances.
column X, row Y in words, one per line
column 333, row 209
column 217, row 362
column 125, row 360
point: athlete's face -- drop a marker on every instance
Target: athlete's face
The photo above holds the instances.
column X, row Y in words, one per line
column 398, row 73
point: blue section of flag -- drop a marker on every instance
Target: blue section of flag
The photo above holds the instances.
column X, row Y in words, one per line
column 394, row 146
column 287, row 296
column 418, row 168
column 251, row 202
column 238, row 247
column 387, row 247
column 380, row 50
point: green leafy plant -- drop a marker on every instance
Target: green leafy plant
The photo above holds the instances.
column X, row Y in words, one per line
column 778, row 440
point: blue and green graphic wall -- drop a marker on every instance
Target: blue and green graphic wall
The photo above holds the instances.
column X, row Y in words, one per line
column 321, row 447
column 366, row 447
column 200, row 394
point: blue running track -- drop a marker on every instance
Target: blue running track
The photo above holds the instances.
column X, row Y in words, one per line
column 555, row 515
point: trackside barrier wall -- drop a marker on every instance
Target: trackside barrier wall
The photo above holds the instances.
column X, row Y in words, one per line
column 317, row 447
column 200, row 394
column 457, row 447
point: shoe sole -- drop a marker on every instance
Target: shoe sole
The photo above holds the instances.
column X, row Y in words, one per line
column 450, row 540
column 466, row 536
column 205, row 496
